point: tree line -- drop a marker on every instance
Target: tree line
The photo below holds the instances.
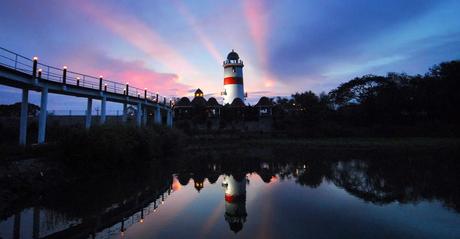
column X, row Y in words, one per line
column 395, row 104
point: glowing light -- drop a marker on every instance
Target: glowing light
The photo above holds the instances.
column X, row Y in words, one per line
column 40, row 70
column 176, row 186
column 65, row 67
column 141, row 221
column 35, row 58
column 101, row 77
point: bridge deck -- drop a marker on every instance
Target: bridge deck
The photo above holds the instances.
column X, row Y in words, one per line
column 19, row 79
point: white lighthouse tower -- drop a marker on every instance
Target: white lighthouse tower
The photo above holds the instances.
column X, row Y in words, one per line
column 233, row 78
column 235, row 201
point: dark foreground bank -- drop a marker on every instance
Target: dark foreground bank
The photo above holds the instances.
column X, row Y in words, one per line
column 398, row 188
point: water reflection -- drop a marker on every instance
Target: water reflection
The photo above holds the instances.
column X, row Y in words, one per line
column 110, row 209
column 235, row 201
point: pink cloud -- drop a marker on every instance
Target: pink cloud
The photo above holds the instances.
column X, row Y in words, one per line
column 87, row 60
column 137, row 33
column 256, row 15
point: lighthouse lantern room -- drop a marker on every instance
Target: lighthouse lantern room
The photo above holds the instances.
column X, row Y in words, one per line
column 233, row 78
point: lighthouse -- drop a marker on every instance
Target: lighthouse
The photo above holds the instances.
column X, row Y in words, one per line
column 233, row 78
column 235, row 201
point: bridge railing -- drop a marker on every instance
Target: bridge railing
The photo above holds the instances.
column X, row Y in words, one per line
column 23, row 64
column 15, row 61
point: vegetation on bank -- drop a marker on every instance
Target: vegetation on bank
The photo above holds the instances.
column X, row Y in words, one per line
column 102, row 148
column 392, row 105
column 114, row 146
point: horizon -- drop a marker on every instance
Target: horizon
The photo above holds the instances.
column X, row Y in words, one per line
column 176, row 48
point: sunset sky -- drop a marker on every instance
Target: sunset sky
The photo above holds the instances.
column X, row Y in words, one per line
column 174, row 46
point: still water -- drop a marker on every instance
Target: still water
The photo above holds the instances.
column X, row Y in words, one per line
column 303, row 199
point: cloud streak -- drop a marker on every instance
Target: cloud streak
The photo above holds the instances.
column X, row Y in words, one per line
column 205, row 41
column 138, row 34
column 136, row 73
column 255, row 12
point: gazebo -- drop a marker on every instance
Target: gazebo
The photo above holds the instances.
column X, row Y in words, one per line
column 265, row 106
column 182, row 108
column 213, row 107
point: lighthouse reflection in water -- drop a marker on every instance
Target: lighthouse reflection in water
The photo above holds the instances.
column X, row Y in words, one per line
column 235, row 201
column 356, row 198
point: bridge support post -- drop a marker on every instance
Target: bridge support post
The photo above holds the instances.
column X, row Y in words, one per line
column 43, row 115
column 139, row 115
column 89, row 109
column 103, row 110
column 17, row 225
column 24, row 116
column 124, row 117
column 144, row 116
column 157, row 117
column 36, row 223
column 169, row 119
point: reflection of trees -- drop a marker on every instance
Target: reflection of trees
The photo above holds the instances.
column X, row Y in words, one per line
column 378, row 180
column 355, row 177
column 402, row 180
column 313, row 173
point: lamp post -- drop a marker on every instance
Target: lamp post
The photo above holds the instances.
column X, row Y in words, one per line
column 64, row 75
column 100, row 82
column 34, row 66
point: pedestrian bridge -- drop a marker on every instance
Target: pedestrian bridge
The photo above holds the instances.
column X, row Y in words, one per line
column 29, row 74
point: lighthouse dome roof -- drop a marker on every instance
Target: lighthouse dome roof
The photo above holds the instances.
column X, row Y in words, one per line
column 233, row 56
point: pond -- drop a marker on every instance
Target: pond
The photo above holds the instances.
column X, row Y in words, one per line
column 353, row 198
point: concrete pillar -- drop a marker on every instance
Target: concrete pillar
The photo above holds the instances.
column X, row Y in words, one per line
column 43, row 115
column 124, row 118
column 139, row 115
column 157, row 118
column 89, row 109
column 103, row 110
column 169, row 119
column 36, row 223
column 24, row 116
column 144, row 116
column 17, row 226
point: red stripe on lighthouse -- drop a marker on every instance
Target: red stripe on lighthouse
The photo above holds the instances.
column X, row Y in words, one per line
column 233, row 80
column 229, row 198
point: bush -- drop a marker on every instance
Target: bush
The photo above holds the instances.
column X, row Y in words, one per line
column 116, row 146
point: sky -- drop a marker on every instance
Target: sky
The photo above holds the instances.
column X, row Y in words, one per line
column 174, row 46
